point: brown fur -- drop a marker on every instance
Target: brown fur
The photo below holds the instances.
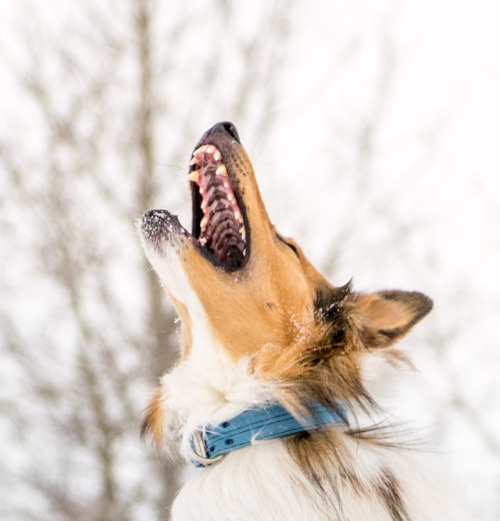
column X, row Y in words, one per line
column 391, row 495
column 325, row 459
column 322, row 364
column 152, row 423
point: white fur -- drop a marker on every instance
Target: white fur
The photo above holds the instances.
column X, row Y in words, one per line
column 263, row 482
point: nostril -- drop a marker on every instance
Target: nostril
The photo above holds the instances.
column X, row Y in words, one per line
column 231, row 129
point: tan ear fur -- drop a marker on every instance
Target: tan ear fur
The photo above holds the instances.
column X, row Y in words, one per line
column 384, row 317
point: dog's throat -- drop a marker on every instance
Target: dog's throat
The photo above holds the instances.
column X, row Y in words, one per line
column 220, row 228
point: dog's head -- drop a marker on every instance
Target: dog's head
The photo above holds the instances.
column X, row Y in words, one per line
column 253, row 285
column 255, row 290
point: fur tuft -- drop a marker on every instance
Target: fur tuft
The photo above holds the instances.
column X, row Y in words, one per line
column 152, row 422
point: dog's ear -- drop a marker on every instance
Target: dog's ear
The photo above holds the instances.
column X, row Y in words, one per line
column 384, row 317
column 329, row 299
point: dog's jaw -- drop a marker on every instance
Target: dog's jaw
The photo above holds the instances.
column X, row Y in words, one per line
column 163, row 239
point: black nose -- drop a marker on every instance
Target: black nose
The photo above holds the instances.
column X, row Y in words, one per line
column 225, row 127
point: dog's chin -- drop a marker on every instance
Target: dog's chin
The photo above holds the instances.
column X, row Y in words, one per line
column 160, row 232
column 164, row 240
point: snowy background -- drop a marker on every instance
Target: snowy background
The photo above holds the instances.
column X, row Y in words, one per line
column 374, row 130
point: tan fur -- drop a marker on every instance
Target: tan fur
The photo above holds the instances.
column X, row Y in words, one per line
column 271, row 302
column 152, row 423
column 272, row 299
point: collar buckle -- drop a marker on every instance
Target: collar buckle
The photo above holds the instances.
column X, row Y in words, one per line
column 197, row 451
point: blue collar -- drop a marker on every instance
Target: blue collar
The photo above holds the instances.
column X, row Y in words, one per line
column 209, row 444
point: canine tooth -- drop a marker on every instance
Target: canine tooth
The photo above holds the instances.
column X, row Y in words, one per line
column 238, row 216
column 194, row 161
column 194, row 176
column 221, row 170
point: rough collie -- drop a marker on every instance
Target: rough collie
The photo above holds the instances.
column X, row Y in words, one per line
column 271, row 399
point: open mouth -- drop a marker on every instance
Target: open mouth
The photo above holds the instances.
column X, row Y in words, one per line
column 218, row 219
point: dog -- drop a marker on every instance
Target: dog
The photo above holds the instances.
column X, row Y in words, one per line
column 270, row 401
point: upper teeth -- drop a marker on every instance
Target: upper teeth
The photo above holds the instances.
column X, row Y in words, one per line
column 208, row 149
column 221, row 170
column 194, row 176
